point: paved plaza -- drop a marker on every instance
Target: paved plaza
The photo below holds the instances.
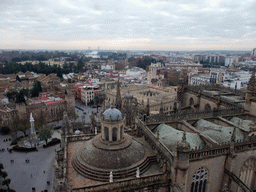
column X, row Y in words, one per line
column 40, row 169
column 88, row 110
column 36, row 173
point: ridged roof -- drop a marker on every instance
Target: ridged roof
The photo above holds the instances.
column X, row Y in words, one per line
column 170, row 137
column 217, row 132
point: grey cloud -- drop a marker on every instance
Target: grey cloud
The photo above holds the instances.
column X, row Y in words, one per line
column 161, row 21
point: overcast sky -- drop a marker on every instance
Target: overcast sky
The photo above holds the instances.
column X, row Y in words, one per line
column 128, row 24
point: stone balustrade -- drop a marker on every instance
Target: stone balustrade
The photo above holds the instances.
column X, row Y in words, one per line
column 191, row 114
column 125, row 184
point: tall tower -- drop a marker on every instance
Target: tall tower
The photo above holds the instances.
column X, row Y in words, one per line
column 249, row 92
column 181, row 85
column 220, row 77
column 118, row 96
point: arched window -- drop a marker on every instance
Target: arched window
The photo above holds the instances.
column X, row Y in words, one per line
column 114, row 134
column 106, row 133
column 199, row 180
column 247, row 173
column 191, row 101
column 207, row 107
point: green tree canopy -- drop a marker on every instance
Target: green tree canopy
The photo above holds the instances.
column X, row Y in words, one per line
column 36, row 89
column 20, row 125
column 20, row 98
column 5, row 181
column 44, row 133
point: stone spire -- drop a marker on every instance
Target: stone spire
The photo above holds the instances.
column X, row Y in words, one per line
column 233, row 137
column 183, row 145
column 118, row 96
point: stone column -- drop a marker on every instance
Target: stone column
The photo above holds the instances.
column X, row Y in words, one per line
column 32, row 128
column 110, row 133
column 118, row 133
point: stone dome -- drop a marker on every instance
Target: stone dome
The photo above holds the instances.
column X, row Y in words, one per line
column 112, row 114
column 129, row 96
column 95, row 158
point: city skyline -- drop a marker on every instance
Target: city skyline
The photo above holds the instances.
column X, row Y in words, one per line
column 128, row 25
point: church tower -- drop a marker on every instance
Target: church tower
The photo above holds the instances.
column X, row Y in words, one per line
column 220, row 76
column 249, row 91
column 181, row 85
column 118, row 96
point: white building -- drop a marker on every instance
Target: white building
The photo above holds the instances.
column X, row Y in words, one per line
column 107, row 67
column 88, row 92
column 229, row 61
column 136, row 72
column 254, row 52
column 154, row 67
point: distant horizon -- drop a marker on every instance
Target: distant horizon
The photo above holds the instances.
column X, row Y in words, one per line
column 134, row 50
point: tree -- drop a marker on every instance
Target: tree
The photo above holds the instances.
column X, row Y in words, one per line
column 11, row 95
column 20, row 125
column 5, row 130
column 18, row 78
column 25, row 92
column 44, row 133
column 37, row 88
column 40, row 121
column 59, row 72
column 20, row 98
column 6, row 181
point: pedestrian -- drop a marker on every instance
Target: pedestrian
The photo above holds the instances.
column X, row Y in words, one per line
column 31, row 175
column 44, row 171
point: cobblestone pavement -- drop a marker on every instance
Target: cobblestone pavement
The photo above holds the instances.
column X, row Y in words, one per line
column 36, row 173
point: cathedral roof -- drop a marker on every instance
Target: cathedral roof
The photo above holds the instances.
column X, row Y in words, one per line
column 242, row 123
column 170, row 137
column 112, row 114
column 217, row 132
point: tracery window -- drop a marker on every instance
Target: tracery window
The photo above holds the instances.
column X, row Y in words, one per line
column 199, row 180
column 248, row 173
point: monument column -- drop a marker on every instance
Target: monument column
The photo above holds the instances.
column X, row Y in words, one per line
column 32, row 127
